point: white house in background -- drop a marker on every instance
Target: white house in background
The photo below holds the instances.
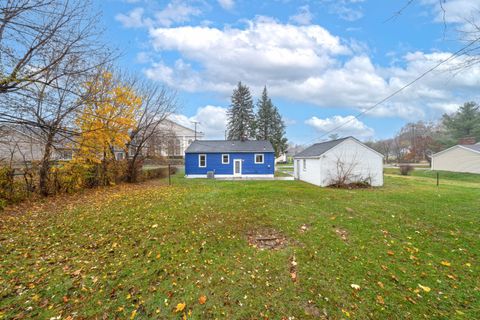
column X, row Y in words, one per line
column 459, row 158
column 322, row 164
column 172, row 140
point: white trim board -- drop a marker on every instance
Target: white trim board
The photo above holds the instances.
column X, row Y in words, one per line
column 221, row 176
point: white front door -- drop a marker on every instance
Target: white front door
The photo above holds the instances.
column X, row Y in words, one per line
column 237, row 167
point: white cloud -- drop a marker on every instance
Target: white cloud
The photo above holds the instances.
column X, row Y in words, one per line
column 454, row 11
column 226, row 4
column 303, row 16
column 262, row 52
column 350, row 126
column 176, row 11
column 307, row 64
column 212, row 121
column 349, row 10
column 133, row 19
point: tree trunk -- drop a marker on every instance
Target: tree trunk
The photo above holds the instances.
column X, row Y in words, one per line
column 132, row 170
column 45, row 167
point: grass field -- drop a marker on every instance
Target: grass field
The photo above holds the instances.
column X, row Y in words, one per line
column 408, row 250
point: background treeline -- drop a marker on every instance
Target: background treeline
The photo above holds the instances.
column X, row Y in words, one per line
column 417, row 141
column 59, row 86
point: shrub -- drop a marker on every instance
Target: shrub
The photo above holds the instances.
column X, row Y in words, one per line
column 11, row 190
column 157, row 173
column 405, row 169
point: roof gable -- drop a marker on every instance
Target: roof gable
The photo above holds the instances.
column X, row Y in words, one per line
column 474, row 147
column 470, row 147
column 319, row 149
column 219, row 146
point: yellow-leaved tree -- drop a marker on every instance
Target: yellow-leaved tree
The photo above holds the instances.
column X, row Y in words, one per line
column 104, row 122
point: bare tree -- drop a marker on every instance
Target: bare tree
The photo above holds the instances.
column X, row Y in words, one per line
column 50, row 108
column 39, row 35
column 157, row 104
column 48, row 48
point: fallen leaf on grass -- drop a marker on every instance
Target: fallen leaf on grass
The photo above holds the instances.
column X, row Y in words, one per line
column 380, row 300
column 445, row 263
column 355, row 286
column 202, row 299
column 134, row 313
column 390, row 253
column 411, row 300
column 424, row 288
column 180, row 307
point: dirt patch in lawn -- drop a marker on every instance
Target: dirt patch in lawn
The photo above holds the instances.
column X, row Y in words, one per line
column 342, row 233
column 267, row 238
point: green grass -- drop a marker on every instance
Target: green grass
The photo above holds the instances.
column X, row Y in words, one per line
column 443, row 175
column 141, row 250
column 281, row 174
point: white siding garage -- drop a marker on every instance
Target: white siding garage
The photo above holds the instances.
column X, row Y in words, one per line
column 460, row 158
column 322, row 164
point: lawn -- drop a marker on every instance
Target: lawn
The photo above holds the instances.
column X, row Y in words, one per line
column 408, row 250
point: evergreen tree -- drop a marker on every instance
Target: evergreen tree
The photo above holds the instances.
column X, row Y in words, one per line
column 278, row 140
column 269, row 124
column 264, row 117
column 465, row 122
column 240, row 115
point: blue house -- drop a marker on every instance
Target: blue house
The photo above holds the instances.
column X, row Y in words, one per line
column 230, row 158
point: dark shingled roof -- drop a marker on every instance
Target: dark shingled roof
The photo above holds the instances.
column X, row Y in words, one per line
column 319, row 148
column 213, row 146
column 474, row 147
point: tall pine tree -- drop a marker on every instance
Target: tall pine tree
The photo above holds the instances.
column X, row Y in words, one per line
column 240, row 115
column 264, row 117
column 269, row 124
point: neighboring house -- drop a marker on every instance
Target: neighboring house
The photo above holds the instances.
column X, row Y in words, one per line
column 171, row 140
column 459, row 158
column 20, row 144
column 347, row 160
column 229, row 158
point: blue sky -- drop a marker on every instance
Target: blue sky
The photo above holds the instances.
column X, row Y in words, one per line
column 323, row 61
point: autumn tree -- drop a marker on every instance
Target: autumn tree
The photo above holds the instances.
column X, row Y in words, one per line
column 105, row 121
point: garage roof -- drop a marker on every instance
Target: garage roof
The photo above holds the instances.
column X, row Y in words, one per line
column 319, row 148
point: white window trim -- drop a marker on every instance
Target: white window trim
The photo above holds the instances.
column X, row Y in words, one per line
column 228, row 158
column 263, row 158
column 200, row 163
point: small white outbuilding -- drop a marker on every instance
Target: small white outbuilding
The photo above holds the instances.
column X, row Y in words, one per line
column 345, row 160
column 459, row 158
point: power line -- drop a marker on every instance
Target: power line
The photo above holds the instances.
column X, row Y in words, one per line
column 451, row 57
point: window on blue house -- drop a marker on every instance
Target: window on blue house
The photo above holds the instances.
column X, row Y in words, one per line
column 202, row 160
column 225, row 158
column 259, row 158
